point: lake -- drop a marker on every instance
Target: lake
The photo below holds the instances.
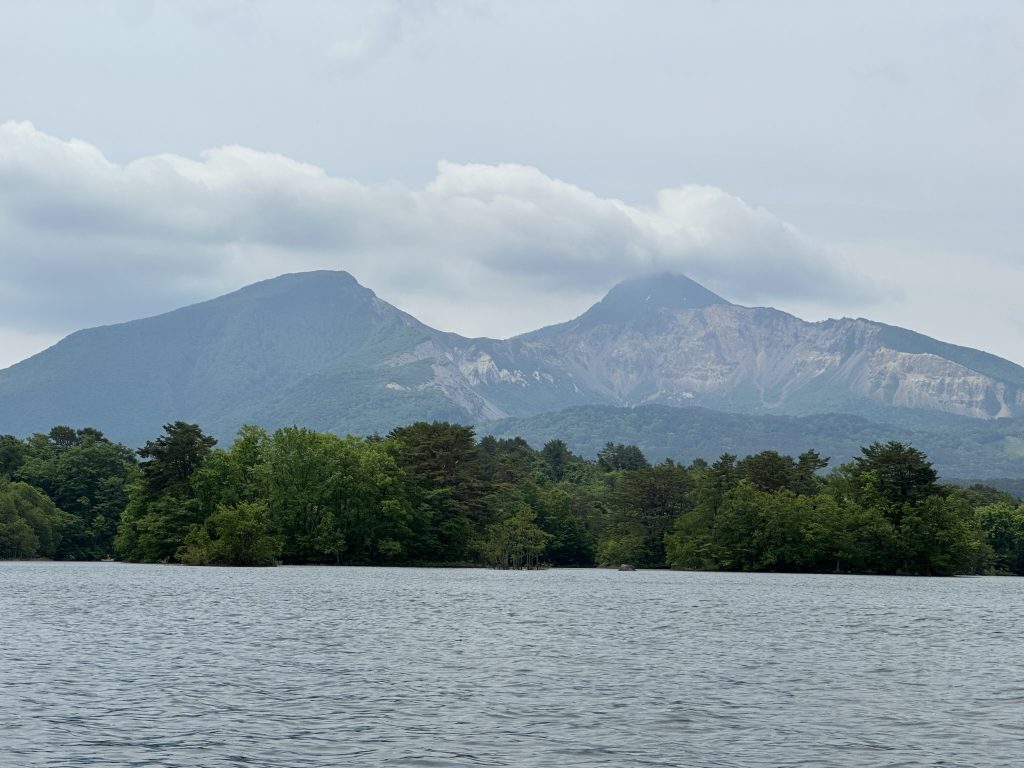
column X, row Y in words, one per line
column 111, row 664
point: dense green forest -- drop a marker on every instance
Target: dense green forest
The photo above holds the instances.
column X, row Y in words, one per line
column 433, row 494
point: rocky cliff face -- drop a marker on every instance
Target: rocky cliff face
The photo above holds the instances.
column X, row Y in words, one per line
column 320, row 350
column 756, row 360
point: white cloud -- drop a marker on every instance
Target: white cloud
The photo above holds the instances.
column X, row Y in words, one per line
column 482, row 249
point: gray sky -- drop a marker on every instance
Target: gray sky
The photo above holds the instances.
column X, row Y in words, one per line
column 492, row 167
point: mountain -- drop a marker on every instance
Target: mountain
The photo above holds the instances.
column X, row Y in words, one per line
column 320, row 350
column 760, row 360
column 250, row 356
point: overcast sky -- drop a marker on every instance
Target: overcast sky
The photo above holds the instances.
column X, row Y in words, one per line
column 492, row 167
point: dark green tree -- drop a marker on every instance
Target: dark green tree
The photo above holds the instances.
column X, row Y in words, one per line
column 768, row 471
column 938, row 538
column 88, row 477
column 171, row 458
column 507, row 461
column 894, row 472
column 695, row 541
column 571, row 541
column 444, row 467
column 1002, row 525
column 63, row 437
column 164, row 507
column 645, row 503
column 557, row 459
column 12, row 454
column 807, row 480
column 616, row 456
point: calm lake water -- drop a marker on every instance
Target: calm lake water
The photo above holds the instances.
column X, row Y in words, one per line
column 111, row 664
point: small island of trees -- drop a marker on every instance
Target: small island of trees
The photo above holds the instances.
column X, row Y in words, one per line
column 433, row 494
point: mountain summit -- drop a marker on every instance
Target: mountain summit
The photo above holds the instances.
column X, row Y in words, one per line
column 632, row 299
column 320, row 350
column 637, row 302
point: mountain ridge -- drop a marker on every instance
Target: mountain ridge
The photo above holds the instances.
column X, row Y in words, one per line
column 321, row 350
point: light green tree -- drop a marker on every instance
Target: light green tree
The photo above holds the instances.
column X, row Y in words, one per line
column 236, row 535
column 516, row 542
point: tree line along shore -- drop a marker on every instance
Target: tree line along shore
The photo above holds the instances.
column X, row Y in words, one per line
column 434, row 494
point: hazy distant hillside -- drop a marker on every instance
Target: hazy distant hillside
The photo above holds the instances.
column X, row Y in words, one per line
column 961, row 449
column 685, row 434
column 320, row 350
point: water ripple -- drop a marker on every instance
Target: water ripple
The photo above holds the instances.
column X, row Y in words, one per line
column 120, row 665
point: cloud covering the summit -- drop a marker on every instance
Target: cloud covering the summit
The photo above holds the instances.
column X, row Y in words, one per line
column 481, row 249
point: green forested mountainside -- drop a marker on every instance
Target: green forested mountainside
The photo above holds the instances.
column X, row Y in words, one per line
column 961, row 448
column 434, row 494
column 319, row 349
column 219, row 362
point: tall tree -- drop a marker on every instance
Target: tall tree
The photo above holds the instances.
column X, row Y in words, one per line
column 557, row 459
column 807, row 480
column 174, row 456
column 443, row 464
column 304, row 476
column 895, row 472
column 618, row 456
column 163, row 508
column 645, row 503
column 12, row 454
column 768, row 471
